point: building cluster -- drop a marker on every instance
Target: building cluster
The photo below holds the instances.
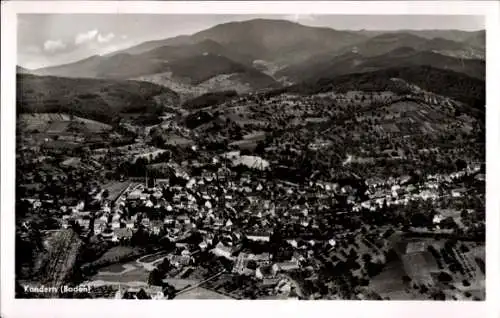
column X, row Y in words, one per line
column 402, row 190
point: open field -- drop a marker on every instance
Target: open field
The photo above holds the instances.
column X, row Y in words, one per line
column 180, row 284
column 178, row 141
column 419, row 266
column 389, row 283
column 115, row 254
column 136, row 274
column 58, row 123
column 115, row 268
column 201, row 293
column 115, row 188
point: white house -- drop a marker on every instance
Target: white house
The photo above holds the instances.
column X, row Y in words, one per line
column 457, row 193
column 222, row 250
column 437, row 219
column 264, row 237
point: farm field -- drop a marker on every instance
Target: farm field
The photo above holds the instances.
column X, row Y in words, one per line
column 57, row 122
column 390, row 283
column 179, row 141
column 115, row 188
column 115, row 254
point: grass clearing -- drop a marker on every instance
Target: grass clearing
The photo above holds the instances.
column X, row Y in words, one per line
column 201, row 293
column 115, row 188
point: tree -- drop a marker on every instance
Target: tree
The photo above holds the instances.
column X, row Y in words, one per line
column 406, row 279
column 164, row 266
column 105, row 194
column 444, row 277
column 142, row 294
column 464, row 248
column 366, row 257
column 155, row 278
column 169, row 291
column 439, row 295
column 260, row 148
column 461, row 164
column 423, row 289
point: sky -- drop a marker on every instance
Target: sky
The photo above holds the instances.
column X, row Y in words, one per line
column 53, row 39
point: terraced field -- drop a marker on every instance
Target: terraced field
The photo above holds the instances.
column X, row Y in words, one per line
column 55, row 123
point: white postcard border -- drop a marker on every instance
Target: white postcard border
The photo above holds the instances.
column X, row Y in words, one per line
column 98, row 308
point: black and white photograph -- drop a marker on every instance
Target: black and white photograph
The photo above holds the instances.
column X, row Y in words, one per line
column 250, row 157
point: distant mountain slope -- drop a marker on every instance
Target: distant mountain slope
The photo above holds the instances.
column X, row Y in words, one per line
column 119, row 66
column 151, row 45
column 22, row 70
column 387, row 42
column 193, row 76
column 326, row 66
column 452, row 35
column 271, row 40
column 276, row 41
column 190, row 64
column 203, row 67
column 168, row 53
column 97, row 99
column 477, row 39
column 261, row 53
column 219, row 34
column 443, row 82
column 244, row 82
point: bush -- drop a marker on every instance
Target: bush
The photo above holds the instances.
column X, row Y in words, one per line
column 444, row 277
column 406, row 279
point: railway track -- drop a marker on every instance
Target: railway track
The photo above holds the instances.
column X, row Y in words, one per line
column 64, row 249
column 200, row 283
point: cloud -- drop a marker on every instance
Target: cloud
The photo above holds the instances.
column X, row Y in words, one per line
column 124, row 36
column 85, row 37
column 105, row 38
column 54, row 45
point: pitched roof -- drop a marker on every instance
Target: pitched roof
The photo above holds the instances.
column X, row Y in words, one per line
column 123, row 233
